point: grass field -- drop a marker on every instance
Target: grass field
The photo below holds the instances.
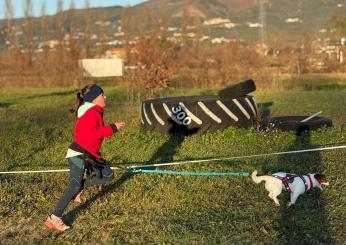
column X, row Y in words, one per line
column 35, row 131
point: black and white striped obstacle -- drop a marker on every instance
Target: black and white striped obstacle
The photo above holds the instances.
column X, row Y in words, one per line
column 200, row 114
column 197, row 114
column 232, row 107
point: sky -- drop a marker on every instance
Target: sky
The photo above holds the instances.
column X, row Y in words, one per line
column 18, row 5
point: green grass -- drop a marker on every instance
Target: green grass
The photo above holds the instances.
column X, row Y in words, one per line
column 315, row 81
column 35, row 131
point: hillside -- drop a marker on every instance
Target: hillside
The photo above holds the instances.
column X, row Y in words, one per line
column 239, row 18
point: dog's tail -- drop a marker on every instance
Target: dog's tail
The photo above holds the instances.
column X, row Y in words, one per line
column 258, row 179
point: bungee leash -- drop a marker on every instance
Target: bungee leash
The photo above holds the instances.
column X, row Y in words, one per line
column 155, row 171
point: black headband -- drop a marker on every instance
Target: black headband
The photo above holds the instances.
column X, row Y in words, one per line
column 93, row 93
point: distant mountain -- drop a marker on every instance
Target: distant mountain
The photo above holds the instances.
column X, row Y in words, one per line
column 291, row 18
column 237, row 18
column 208, row 8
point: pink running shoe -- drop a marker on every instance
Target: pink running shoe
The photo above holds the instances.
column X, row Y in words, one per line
column 56, row 224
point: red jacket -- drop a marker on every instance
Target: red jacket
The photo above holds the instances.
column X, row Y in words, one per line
column 90, row 130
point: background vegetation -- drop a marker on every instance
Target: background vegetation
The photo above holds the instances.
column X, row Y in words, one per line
column 44, row 51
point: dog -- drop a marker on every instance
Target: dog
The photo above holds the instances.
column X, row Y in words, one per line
column 295, row 184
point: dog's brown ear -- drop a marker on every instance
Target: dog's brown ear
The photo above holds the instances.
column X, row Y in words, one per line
column 321, row 178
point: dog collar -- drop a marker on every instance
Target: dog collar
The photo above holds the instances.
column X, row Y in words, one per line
column 307, row 186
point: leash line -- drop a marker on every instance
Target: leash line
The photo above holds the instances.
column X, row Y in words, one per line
column 189, row 161
column 35, row 171
column 191, row 173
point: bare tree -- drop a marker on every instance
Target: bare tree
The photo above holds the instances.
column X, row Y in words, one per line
column 11, row 37
column 126, row 28
column 141, row 27
column 74, row 44
column 87, row 29
column 60, row 32
column 44, row 32
column 153, row 56
column 198, row 32
column 163, row 22
column 154, row 62
column 184, row 23
column 338, row 21
column 29, row 32
column 102, row 31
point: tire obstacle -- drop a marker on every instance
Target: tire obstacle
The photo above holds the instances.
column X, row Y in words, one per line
column 231, row 107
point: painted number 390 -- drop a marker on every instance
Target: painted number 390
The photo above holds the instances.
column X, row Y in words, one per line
column 181, row 115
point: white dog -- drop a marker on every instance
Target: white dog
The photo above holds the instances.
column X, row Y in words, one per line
column 295, row 184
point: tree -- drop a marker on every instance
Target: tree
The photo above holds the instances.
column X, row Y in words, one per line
column 154, row 55
column 102, row 31
column 184, row 23
column 44, row 31
column 154, row 62
column 87, row 29
column 163, row 22
column 11, row 37
column 60, row 32
column 29, row 32
column 74, row 43
column 338, row 22
column 141, row 27
column 126, row 29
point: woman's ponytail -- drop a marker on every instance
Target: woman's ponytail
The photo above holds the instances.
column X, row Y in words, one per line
column 79, row 99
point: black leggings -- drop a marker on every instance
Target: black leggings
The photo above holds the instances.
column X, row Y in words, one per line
column 78, row 183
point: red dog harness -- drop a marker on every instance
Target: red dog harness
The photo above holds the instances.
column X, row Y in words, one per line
column 288, row 177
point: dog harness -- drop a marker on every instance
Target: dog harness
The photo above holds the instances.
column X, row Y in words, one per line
column 288, row 177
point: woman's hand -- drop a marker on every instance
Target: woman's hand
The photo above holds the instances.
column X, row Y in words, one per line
column 119, row 125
